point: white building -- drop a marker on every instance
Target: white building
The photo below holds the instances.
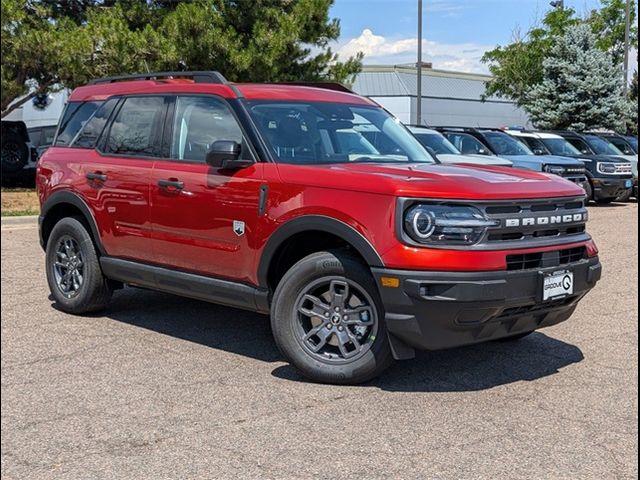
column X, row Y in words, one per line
column 448, row 98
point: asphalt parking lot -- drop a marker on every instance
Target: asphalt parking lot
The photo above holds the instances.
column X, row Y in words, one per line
column 163, row 387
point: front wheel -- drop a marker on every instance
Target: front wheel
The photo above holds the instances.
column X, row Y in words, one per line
column 73, row 269
column 328, row 321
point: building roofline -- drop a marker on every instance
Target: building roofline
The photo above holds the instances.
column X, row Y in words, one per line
column 411, row 69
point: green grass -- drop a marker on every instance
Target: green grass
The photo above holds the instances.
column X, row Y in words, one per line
column 19, row 213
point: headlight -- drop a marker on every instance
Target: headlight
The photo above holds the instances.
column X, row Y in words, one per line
column 606, row 168
column 446, row 224
column 555, row 169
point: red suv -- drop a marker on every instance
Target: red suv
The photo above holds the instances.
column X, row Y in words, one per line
column 311, row 204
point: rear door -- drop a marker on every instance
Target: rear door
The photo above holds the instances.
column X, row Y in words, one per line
column 115, row 176
column 204, row 219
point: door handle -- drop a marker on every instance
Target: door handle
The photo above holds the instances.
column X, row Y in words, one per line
column 171, row 184
column 96, row 177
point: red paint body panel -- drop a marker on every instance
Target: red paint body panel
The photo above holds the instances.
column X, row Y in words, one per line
column 193, row 227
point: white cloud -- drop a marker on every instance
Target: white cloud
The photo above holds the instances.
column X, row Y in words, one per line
column 463, row 57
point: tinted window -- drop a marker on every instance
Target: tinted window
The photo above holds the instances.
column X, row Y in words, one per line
column 559, row 146
column 198, row 123
column 467, row 144
column 133, row 131
column 633, row 142
column 503, row 144
column 92, row 130
column 622, row 145
column 602, row 147
column 580, row 145
column 535, row 144
column 74, row 118
column 437, row 142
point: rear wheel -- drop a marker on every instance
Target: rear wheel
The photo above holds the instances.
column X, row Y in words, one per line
column 73, row 270
column 328, row 320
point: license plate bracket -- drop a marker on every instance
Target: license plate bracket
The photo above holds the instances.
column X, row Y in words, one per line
column 557, row 284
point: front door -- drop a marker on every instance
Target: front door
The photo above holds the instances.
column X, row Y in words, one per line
column 204, row 219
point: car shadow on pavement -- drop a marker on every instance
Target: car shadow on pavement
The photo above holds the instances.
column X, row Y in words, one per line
column 472, row 368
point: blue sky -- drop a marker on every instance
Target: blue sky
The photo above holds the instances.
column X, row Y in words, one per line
column 456, row 32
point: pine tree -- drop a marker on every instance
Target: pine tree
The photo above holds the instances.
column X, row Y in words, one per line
column 581, row 88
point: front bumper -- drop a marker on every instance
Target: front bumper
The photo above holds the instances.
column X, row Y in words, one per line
column 609, row 187
column 437, row 310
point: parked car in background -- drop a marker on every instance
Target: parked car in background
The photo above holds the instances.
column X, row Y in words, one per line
column 499, row 143
column 439, row 146
column 588, row 143
column 18, row 156
column 42, row 138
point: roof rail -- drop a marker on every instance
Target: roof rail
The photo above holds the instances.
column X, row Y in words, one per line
column 338, row 87
column 455, row 129
column 198, row 77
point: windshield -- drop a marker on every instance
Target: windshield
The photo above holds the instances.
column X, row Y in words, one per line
column 437, row 142
column 602, row 147
column 634, row 142
column 467, row 144
column 560, row 146
column 308, row 133
column 503, row 144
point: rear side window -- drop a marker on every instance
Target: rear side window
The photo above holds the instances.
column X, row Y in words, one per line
column 134, row 130
column 89, row 135
column 75, row 116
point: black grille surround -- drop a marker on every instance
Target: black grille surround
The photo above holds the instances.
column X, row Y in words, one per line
column 520, row 224
column 555, row 258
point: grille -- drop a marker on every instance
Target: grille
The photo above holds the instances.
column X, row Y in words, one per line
column 528, row 261
column 535, row 222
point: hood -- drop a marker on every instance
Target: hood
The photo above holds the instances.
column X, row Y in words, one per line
column 478, row 182
column 543, row 160
column 474, row 159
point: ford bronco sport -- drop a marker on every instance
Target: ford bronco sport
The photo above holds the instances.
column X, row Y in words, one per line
column 256, row 196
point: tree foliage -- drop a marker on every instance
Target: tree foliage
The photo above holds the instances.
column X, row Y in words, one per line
column 581, row 87
column 517, row 67
column 51, row 44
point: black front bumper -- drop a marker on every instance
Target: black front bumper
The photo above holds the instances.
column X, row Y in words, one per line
column 609, row 187
column 436, row 310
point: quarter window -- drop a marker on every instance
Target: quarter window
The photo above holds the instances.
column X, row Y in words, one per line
column 197, row 124
column 134, row 130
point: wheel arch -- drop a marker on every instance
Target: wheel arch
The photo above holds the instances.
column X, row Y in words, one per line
column 313, row 224
column 67, row 204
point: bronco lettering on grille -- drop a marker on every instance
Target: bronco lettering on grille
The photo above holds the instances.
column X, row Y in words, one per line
column 547, row 220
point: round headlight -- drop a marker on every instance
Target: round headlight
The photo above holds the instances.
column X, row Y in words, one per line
column 423, row 223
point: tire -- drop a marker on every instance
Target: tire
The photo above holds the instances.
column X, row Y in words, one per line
column 589, row 191
column 339, row 358
column 625, row 196
column 605, row 201
column 515, row 338
column 15, row 153
column 70, row 249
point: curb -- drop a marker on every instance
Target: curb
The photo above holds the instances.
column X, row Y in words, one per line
column 23, row 220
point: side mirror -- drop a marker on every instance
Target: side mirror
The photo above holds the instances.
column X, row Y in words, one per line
column 482, row 151
column 225, row 154
column 538, row 151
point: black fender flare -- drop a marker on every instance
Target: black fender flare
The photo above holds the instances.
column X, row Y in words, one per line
column 316, row 223
column 74, row 199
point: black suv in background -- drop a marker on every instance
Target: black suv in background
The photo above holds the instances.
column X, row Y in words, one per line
column 625, row 144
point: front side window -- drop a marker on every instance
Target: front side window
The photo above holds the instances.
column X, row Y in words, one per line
column 581, row 145
column 437, row 143
column 309, row 133
column 560, row 146
column 535, row 144
column 503, row 144
column 623, row 146
column 134, row 130
column 467, row 144
column 75, row 116
column 197, row 124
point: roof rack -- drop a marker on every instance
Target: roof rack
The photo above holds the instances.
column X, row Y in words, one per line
column 198, row 77
column 338, row 87
column 456, row 129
